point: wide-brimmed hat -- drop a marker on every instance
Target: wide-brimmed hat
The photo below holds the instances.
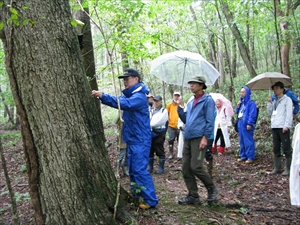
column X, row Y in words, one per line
column 198, row 79
column 130, row 72
column 278, row 84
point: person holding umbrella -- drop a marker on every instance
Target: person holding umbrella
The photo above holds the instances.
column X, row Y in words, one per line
column 281, row 112
column 199, row 119
column 136, row 133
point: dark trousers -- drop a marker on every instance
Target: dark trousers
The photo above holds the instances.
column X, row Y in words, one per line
column 280, row 138
column 192, row 166
column 208, row 153
column 173, row 134
column 220, row 135
column 157, row 146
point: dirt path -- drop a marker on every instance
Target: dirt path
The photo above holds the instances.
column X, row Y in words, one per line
column 248, row 195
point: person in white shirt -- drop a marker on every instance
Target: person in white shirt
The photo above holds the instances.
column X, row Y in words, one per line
column 281, row 112
column 158, row 120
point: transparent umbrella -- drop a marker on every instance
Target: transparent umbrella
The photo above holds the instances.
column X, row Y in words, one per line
column 180, row 66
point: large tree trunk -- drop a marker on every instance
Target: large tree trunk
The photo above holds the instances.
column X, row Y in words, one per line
column 70, row 176
column 88, row 54
column 244, row 51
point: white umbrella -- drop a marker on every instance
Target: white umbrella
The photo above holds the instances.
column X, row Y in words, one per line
column 180, row 66
column 264, row 81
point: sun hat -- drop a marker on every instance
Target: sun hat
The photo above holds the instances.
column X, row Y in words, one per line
column 198, row 79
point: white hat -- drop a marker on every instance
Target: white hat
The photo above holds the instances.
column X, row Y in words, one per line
column 177, row 93
column 149, row 96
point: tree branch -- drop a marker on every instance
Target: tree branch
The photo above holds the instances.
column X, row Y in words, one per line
column 295, row 5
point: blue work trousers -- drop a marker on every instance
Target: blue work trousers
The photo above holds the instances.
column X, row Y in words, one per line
column 140, row 178
column 247, row 144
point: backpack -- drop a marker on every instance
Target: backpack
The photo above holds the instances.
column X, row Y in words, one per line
column 257, row 112
column 291, row 95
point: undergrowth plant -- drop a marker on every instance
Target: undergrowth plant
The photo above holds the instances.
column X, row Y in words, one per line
column 136, row 191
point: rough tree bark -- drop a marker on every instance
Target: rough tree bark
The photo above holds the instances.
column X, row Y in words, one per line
column 70, row 177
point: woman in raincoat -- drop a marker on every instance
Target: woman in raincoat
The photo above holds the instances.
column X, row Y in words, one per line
column 222, row 123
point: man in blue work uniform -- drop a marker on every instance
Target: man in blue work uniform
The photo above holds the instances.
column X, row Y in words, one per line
column 136, row 133
column 247, row 115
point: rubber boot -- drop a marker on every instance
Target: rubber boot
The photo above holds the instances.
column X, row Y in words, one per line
column 125, row 170
column 288, row 162
column 277, row 165
column 150, row 165
column 161, row 166
column 210, row 167
column 212, row 194
column 171, row 150
column 221, row 150
column 214, row 148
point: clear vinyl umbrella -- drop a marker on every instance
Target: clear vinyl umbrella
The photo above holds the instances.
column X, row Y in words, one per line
column 180, row 66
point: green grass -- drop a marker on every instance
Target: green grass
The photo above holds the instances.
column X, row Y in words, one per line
column 11, row 135
column 11, row 139
column 22, row 197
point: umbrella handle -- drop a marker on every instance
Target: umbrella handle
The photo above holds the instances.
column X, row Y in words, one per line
column 181, row 88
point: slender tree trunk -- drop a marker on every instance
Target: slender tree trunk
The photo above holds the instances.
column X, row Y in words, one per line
column 284, row 27
column 241, row 44
column 70, row 177
column 10, row 190
column 234, row 58
column 285, row 48
column 7, row 110
column 221, row 62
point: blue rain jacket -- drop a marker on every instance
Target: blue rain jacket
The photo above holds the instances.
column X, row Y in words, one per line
column 250, row 110
column 134, row 103
column 199, row 119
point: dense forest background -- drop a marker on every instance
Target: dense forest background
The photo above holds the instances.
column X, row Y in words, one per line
column 240, row 38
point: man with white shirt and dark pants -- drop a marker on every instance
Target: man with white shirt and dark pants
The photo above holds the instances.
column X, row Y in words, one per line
column 281, row 112
column 159, row 118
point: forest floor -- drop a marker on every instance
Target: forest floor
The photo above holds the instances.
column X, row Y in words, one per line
column 247, row 194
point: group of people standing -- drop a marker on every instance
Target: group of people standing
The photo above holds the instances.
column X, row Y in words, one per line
column 145, row 127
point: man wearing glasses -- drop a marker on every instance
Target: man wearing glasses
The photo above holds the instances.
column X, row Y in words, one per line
column 136, row 133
